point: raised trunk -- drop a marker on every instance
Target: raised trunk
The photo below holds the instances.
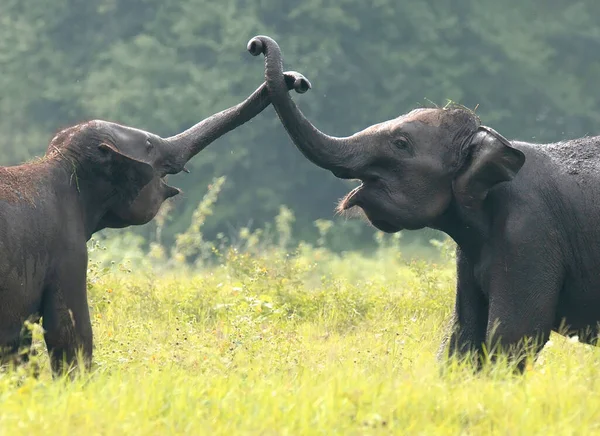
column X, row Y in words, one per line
column 184, row 146
column 338, row 155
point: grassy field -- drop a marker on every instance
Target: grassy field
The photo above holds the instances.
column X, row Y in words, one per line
column 300, row 344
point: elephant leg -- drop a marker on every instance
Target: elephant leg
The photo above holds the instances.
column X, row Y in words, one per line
column 523, row 295
column 66, row 322
column 527, row 337
column 26, row 352
column 25, row 343
column 16, row 348
column 470, row 314
column 9, row 350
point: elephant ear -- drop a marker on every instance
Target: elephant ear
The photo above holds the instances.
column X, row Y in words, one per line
column 128, row 175
column 492, row 160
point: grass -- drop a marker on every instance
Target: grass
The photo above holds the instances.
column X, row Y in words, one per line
column 300, row 344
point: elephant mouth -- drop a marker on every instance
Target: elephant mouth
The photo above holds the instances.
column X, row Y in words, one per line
column 168, row 170
column 355, row 198
column 351, row 199
column 170, row 191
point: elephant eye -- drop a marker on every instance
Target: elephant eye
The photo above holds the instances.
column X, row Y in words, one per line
column 149, row 144
column 401, row 143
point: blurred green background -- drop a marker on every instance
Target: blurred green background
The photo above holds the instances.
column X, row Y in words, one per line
column 531, row 69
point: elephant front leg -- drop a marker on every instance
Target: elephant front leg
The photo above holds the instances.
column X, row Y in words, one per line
column 517, row 330
column 518, row 342
column 523, row 295
column 66, row 322
column 470, row 314
column 27, row 354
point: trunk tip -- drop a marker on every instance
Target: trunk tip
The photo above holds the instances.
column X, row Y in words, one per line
column 256, row 46
column 296, row 81
column 301, row 85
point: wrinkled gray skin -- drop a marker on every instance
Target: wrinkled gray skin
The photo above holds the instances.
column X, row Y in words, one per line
column 94, row 175
column 525, row 216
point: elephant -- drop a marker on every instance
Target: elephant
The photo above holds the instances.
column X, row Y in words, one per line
column 94, row 175
column 524, row 216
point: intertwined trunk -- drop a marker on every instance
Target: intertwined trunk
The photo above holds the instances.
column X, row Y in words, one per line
column 181, row 148
column 339, row 155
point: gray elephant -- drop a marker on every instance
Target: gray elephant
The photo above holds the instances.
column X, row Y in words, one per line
column 525, row 216
column 94, row 175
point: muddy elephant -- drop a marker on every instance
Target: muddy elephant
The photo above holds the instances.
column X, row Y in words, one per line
column 525, row 217
column 94, row 175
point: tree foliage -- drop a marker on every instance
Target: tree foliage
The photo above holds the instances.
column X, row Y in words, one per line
column 162, row 65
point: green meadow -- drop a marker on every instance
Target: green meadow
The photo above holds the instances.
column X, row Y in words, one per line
column 266, row 339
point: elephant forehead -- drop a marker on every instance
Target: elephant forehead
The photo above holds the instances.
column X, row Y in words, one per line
column 433, row 117
column 120, row 130
column 377, row 129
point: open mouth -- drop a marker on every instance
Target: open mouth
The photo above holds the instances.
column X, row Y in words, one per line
column 171, row 190
column 351, row 199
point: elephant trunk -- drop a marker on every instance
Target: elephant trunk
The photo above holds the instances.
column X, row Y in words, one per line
column 179, row 149
column 338, row 155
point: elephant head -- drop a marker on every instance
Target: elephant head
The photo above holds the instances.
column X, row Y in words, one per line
column 412, row 168
column 151, row 157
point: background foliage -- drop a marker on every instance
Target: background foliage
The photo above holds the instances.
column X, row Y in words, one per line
column 162, row 65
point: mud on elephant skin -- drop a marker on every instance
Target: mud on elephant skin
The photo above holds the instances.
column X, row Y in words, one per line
column 524, row 216
column 94, row 175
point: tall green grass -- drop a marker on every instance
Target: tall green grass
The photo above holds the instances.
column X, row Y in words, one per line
column 302, row 344
column 271, row 337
